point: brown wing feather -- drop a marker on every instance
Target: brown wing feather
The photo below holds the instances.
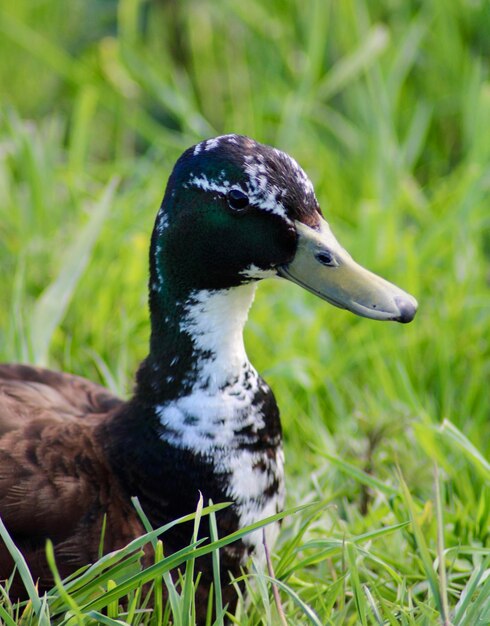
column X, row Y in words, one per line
column 28, row 393
column 54, row 478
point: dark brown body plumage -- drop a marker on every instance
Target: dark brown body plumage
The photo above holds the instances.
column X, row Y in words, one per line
column 55, row 480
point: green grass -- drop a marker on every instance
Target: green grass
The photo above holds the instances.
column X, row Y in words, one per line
column 387, row 107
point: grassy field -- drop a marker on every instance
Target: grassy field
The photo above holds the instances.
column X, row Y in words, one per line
column 387, row 106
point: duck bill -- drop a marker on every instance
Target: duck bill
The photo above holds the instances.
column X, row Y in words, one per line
column 323, row 267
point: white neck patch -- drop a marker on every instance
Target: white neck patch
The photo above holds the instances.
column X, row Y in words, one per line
column 215, row 321
column 225, row 384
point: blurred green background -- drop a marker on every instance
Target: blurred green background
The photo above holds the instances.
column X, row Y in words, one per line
column 386, row 105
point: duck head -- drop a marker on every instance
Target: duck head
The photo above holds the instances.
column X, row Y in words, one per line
column 236, row 211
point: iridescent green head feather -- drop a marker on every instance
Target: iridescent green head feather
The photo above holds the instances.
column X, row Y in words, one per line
column 237, row 211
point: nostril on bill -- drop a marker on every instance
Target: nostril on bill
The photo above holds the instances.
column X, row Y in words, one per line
column 325, row 258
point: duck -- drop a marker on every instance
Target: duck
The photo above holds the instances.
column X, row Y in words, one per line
column 200, row 420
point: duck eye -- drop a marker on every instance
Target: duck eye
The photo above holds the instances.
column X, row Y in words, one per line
column 237, row 200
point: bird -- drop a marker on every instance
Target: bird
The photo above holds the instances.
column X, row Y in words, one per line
column 200, row 420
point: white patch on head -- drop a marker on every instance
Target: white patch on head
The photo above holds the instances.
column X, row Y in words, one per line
column 299, row 174
column 202, row 182
column 231, row 138
column 262, row 191
column 211, row 144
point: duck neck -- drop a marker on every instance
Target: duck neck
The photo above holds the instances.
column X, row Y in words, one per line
column 196, row 342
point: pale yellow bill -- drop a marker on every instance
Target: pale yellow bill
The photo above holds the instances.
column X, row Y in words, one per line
column 323, row 267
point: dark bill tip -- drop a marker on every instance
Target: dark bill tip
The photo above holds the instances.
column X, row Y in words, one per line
column 407, row 309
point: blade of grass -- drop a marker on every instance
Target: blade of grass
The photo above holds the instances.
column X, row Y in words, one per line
column 449, row 430
column 358, row 474
column 133, row 605
column 324, row 548
column 469, row 591
column 113, row 607
column 51, row 306
column 158, row 586
column 102, row 536
column 478, row 611
column 213, row 528
column 105, row 619
column 194, row 550
column 440, row 549
column 422, row 545
column 349, row 67
column 288, row 552
column 63, row 594
column 356, row 584
column 372, row 605
column 6, row 618
column 307, row 611
column 24, row 573
column 275, row 590
column 88, row 581
column 188, row 590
